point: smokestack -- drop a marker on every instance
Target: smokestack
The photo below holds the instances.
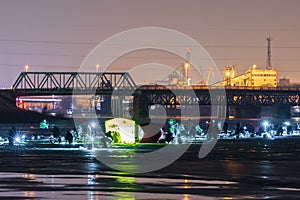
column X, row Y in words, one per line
column 269, row 65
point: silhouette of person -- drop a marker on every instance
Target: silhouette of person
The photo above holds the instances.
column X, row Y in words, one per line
column 11, row 135
column 69, row 137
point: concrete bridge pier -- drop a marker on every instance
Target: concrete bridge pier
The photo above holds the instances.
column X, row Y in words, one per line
column 106, row 105
column 140, row 108
column 7, row 99
column 221, row 111
column 117, row 106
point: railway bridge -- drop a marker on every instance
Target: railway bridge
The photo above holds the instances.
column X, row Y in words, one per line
column 239, row 101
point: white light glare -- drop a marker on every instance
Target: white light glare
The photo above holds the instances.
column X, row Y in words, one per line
column 93, row 124
column 287, row 123
column 265, row 123
column 18, row 139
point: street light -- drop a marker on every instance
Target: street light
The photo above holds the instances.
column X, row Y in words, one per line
column 227, row 73
column 26, row 68
column 228, row 78
column 98, row 78
column 186, row 66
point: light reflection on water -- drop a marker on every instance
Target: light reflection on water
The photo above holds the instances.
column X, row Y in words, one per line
column 97, row 186
column 287, row 189
column 246, row 170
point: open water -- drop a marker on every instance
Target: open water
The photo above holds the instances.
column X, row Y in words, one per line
column 234, row 169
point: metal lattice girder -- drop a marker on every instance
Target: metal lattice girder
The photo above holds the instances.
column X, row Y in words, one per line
column 259, row 96
column 172, row 96
column 67, row 81
column 47, row 83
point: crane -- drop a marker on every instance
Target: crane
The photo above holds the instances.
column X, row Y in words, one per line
column 175, row 78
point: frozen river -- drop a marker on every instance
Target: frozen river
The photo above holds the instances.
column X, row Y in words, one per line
column 235, row 169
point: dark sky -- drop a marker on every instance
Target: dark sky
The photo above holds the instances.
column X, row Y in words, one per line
column 56, row 35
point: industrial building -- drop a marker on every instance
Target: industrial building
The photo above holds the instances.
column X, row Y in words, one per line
column 253, row 77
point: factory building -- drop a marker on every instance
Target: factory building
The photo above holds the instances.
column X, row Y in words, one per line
column 253, row 77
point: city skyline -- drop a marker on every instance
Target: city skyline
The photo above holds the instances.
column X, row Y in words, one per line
column 58, row 35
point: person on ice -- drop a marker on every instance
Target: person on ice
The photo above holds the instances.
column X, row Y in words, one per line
column 69, row 137
column 43, row 126
column 11, row 135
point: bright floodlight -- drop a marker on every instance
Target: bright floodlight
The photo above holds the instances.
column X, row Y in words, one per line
column 26, row 68
column 287, row 123
column 265, row 123
column 97, row 67
column 186, row 65
column 93, row 124
column 18, row 139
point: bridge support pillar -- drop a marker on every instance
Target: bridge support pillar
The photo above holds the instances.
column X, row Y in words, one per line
column 106, row 105
column 222, row 110
column 117, row 106
column 8, row 98
column 140, row 108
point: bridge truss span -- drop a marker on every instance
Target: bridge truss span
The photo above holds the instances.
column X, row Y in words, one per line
column 233, row 96
column 65, row 82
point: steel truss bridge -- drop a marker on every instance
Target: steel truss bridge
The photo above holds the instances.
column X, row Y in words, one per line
column 203, row 95
column 65, row 83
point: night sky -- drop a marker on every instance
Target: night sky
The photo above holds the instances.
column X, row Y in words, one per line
column 56, row 35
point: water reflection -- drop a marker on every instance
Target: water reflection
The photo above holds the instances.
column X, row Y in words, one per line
column 29, row 176
column 92, row 193
column 234, row 168
column 113, row 185
column 29, row 194
column 185, row 197
column 231, row 172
